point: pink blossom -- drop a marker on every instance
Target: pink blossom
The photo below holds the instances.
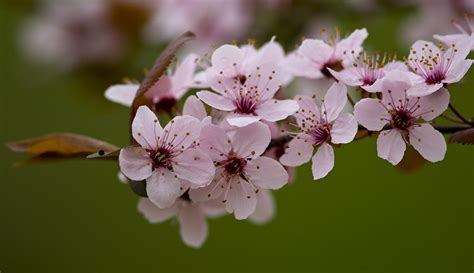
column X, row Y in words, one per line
column 366, row 70
column 212, row 21
column 463, row 35
column 191, row 217
column 315, row 56
column 230, row 62
column 72, row 33
column 165, row 92
column 404, row 120
column 435, row 67
column 248, row 96
column 241, row 171
column 165, row 157
column 319, row 128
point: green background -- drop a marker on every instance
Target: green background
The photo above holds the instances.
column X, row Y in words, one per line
column 75, row 216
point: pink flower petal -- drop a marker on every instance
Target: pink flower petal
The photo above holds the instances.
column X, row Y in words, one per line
column 423, row 89
column 192, row 225
column 428, row 142
column 241, row 200
column 135, row 163
column 182, row 131
column 241, row 120
column 334, row 101
column 154, row 214
column 391, row 146
column 146, row 128
column 182, row 79
column 353, row 42
column 316, row 50
column 347, row 76
column 163, row 188
column 266, row 173
column 215, row 142
column 298, row 152
column 122, row 93
column 161, row 89
column 457, row 71
column 371, row 114
column 194, row 107
column 224, row 58
column 300, row 66
column 344, row 129
column 307, row 108
column 323, row 161
column 419, row 48
column 433, row 105
column 194, row 166
column 265, row 210
column 213, row 208
column 252, row 140
column 216, row 101
column 210, row 192
column 275, row 110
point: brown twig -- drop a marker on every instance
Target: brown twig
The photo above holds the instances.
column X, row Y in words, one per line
column 461, row 117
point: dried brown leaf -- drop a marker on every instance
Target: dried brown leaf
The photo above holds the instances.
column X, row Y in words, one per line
column 463, row 137
column 60, row 146
column 157, row 71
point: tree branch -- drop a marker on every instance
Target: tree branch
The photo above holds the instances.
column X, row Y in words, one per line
column 445, row 129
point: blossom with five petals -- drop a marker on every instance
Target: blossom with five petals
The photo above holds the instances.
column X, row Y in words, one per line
column 319, row 128
column 248, row 96
column 166, row 157
column 404, row 120
column 315, row 56
column 435, row 68
column 241, row 171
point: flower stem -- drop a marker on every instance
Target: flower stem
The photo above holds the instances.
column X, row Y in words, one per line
column 461, row 117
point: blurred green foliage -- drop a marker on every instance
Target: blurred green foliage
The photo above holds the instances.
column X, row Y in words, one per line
column 76, row 217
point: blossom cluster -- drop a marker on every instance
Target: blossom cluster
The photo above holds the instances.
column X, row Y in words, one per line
column 209, row 162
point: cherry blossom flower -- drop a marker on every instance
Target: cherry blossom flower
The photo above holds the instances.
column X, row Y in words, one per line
column 191, row 217
column 315, row 56
column 366, row 70
column 72, row 33
column 463, row 35
column 249, row 96
column 212, row 21
column 241, row 171
column 165, row 93
column 436, row 67
column 319, row 128
column 231, row 62
column 164, row 157
column 404, row 120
